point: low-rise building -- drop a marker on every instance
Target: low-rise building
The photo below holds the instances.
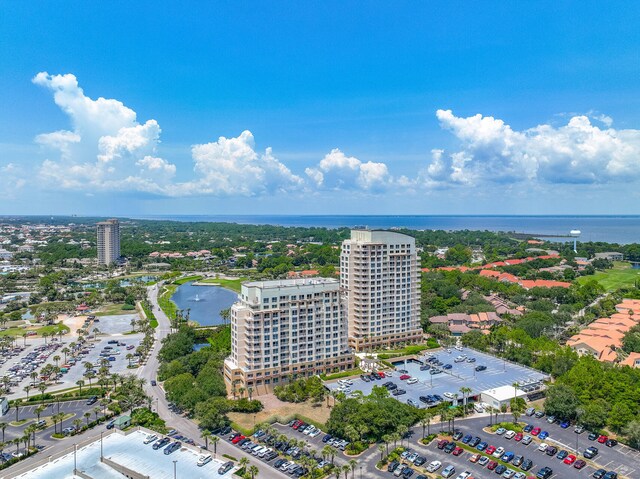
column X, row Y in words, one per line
column 502, row 395
column 602, row 338
column 610, row 255
column 461, row 323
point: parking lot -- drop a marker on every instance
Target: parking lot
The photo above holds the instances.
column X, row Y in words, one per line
column 460, row 374
column 17, row 364
column 620, row 458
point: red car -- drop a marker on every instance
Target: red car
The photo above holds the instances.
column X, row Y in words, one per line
column 381, row 374
column 579, row 464
column 237, row 439
column 570, row 459
column 404, row 377
column 442, row 443
column 457, row 451
column 603, row 439
column 492, row 465
column 297, row 424
column 535, row 431
column 518, row 437
column 490, row 450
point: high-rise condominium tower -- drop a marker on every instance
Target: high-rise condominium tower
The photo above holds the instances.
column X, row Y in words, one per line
column 286, row 329
column 108, row 241
column 380, row 284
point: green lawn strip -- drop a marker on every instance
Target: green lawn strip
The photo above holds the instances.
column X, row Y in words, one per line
column 342, row 374
column 164, row 300
column 232, row 284
column 54, row 328
column 186, row 279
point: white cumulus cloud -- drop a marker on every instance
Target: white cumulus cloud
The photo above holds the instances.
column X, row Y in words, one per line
column 107, row 147
column 232, row 167
column 492, row 151
column 336, row 171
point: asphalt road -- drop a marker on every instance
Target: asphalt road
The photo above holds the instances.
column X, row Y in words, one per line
column 184, row 425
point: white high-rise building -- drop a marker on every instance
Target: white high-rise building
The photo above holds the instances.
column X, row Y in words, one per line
column 284, row 329
column 108, row 241
column 381, row 287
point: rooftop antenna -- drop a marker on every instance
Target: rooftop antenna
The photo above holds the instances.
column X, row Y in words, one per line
column 576, row 235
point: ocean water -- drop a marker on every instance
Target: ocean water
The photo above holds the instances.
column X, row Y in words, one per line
column 611, row 229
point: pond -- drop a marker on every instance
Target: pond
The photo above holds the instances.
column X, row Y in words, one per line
column 204, row 302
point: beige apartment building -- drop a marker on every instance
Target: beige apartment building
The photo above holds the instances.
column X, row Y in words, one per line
column 286, row 329
column 380, row 283
column 108, row 241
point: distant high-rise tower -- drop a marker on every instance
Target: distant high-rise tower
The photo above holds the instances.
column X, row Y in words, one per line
column 108, row 241
column 380, row 285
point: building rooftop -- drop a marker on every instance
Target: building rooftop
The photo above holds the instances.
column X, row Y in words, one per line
column 283, row 283
column 127, row 451
column 503, row 393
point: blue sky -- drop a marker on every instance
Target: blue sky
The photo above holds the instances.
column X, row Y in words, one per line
column 319, row 107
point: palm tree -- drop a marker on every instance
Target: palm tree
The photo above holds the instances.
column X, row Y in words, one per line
column 465, row 397
column 3, row 426
column 27, row 388
column 352, row 464
column 56, row 359
column 402, row 432
column 243, row 463
column 34, row 376
column 253, row 471
column 87, row 415
column 78, row 423
column 503, row 410
column 346, row 469
column 65, row 351
column 39, row 410
column 381, row 449
column 96, row 411
column 214, row 441
column 425, row 422
column 206, row 434
column 16, row 404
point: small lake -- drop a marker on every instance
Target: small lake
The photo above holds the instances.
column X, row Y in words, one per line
column 205, row 302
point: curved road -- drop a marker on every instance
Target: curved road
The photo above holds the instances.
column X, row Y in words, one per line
column 185, row 426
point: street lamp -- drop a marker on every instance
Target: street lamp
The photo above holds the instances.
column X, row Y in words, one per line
column 75, row 464
column 101, row 455
column 174, row 468
column 360, row 471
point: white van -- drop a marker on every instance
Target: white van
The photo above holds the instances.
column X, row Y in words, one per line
column 477, row 407
column 204, row 459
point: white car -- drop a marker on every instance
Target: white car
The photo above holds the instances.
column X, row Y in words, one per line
column 150, row 438
column 543, row 447
column 434, row 466
column 204, row 459
column 463, row 475
column 509, row 434
column 412, row 380
column 498, row 452
column 309, row 430
column 448, row 395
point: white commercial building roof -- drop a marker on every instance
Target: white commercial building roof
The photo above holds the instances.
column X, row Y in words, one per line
column 128, row 451
column 504, row 393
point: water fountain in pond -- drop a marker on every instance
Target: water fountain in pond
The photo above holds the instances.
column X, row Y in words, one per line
column 197, row 299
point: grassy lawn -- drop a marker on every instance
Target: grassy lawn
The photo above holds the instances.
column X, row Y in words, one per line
column 113, row 310
column 54, row 328
column 232, row 284
column 164, row 300
column 186, row 279
column 620, row 276
column 282, row 412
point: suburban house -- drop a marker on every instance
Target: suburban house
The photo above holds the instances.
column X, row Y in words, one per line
column 602, row 339
column 461, row 323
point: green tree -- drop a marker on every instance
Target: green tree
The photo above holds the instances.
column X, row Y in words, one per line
column 561, row 401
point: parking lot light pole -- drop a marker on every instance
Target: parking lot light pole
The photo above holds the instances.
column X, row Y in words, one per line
column 577, row 436
column 101, row 455
column 360, row 471
column 75, row 464
column 174, row 468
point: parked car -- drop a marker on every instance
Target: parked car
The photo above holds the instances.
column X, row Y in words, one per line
column 150, row 438
column 448, row 471
column 204, row 459
column 591, row 452
column 526, row 440
column 434, row 466
column 226, row 467
column 570, row 459
column 579, row 464
column 544, row 473
column 611, row 443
